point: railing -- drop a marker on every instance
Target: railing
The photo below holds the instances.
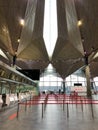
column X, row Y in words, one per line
column 44, row 100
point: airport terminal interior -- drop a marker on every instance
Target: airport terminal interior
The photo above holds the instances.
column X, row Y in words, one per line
column 48, row 64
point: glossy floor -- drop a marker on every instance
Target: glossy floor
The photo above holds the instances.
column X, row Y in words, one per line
column 55, row 116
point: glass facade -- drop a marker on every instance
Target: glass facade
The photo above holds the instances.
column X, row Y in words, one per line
column 50, row 80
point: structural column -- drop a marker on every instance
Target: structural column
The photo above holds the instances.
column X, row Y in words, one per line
column 64, row 89
column 87, row 73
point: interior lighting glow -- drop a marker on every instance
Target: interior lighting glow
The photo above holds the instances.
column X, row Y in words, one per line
column 18, row 40
column 22, row 22
column 79, row 23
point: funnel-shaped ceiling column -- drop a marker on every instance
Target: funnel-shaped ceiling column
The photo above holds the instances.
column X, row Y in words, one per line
column 68, row 49
column 32, row 45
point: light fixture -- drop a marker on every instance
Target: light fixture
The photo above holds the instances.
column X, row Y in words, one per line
column 18, row 40
column 80, row 23
column 22, row 22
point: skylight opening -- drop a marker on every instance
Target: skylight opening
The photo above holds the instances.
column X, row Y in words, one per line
column 2, row 54
column 50, row 26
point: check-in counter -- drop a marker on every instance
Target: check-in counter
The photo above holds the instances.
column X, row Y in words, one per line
column 27, row 95
column 4, row 99
column 1, row 101
column 15, row 97
column 12, row 100
column 24, row 96
column 30, row 95
column 21, row 96
column 7, row 99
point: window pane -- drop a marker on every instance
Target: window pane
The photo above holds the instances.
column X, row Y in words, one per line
column 68, row 78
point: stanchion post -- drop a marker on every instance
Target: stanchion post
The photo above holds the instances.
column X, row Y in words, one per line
column 85, row 100
column 26, row 105
column 44, row 104
column 42, row 110
column 30, row 100
column 92, row 110
column 81, row 105
column 63, row 104
column 18, row 110
column 67, row 111
column 76, row 101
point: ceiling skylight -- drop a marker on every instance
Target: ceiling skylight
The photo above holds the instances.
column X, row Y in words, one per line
column 2, row 54
column 50, row 25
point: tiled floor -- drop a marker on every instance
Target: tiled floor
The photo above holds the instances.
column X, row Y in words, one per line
column 81, row 117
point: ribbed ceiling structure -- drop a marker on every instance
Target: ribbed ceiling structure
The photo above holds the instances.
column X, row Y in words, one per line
column 73, row 41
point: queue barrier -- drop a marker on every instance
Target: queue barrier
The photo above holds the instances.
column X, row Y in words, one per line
column 65, row 101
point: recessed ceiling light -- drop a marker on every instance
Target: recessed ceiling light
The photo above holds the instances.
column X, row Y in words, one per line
column 79, row 23
column 18, row 40
column 22, row 22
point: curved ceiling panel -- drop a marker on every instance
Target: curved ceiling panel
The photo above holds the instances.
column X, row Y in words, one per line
column 10, row 13
column 31, row 43
column 72, row 40
column 87, row 10
column 72, row 26
column 4, row 35
column 65, row 68
column 68, row 32
column 29, row 64
column 69, row 45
